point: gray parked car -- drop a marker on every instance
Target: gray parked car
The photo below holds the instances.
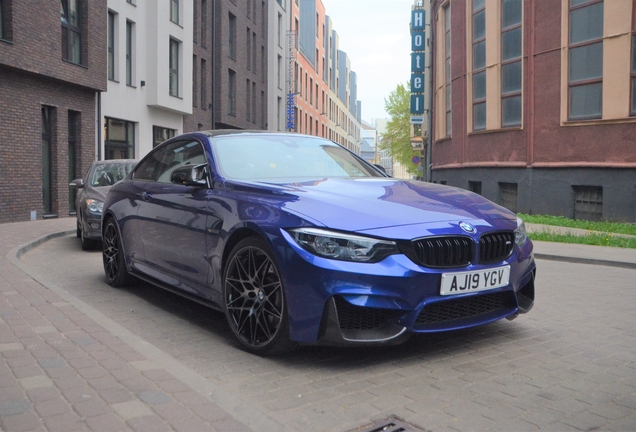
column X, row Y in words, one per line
column 91, row 192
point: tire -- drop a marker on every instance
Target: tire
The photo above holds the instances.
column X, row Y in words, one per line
column 113, row 257
column 254, row 299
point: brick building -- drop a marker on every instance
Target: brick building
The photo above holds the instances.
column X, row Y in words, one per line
column 239, row 53
column 535, row 104
column 52, row 68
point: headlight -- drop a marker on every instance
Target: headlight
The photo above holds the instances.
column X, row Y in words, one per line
column 345, row 247
column 520, row 233
column 94, row 205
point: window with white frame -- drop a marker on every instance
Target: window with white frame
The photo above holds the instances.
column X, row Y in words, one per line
column 111, row 45
column 447, row 70
column 479, row 64
column 585, row 60
column 130, row 59
column 511, row 64
column 174, row 11
column 174, row 67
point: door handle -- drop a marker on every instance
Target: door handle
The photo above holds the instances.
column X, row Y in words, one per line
column 146, row 196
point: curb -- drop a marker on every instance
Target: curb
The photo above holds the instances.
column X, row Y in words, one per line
column 590, row 261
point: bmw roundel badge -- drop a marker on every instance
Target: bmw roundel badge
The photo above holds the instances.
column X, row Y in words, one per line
column 467, row 227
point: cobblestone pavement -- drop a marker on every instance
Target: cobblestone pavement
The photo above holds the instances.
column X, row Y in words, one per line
column 79, row 353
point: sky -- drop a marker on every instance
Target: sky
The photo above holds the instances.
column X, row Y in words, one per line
column 375, row 35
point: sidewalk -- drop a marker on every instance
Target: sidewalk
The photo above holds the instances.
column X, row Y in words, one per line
column 599, row 255
column 66, row 367
column 63, row 371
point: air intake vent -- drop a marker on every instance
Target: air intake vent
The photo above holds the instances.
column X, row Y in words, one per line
column 352, row 317
column 495, row 247
column 445, row 312
column 443, row 252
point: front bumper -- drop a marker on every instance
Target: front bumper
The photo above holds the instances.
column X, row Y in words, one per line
column 337, row 302
column 92, row 226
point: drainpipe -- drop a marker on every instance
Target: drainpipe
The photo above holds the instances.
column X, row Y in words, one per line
column 214, row 101
column 99, row 128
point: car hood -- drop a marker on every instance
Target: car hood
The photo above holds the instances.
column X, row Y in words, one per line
column 97, row 192
column 371, row 204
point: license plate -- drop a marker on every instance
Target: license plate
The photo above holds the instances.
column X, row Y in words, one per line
column 482, row 280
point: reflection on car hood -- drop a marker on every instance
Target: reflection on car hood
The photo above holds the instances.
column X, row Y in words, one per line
column 372, row 203
column 97, row 192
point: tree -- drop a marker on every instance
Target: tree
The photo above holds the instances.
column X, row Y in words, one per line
column 397, row 138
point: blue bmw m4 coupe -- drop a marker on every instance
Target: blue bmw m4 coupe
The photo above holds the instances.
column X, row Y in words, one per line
column 299, row 241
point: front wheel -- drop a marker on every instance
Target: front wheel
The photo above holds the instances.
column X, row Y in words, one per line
column 254, row 297
column 113, row 256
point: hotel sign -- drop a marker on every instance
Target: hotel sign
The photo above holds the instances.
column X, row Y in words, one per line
column 418, row 63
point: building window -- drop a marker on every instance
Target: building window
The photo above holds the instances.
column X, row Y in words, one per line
column 254, row 52
column 6, row 27
column 585, row 59
column 111, row 45
column 447, row 70
column 119, row 142
column 71, row 31
column 254, row 102
column 174, row 11
column 248, row 48
column 204, row 91
column 204, row 24
column 479, row 64
column 195, row 81
column 279, row 68
column 48, row 114
column 161, row 134
column 73, row 145
column 231, row 95
column 588, row 203
column 511, row 50
column 174, row 68
column 474, row 186
column 248, row 91
column 2, row 14
column 130, row 38
column 508, row 196
column 280, row 30
column 232, row 36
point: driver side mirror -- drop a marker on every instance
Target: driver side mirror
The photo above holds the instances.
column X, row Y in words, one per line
column 77, row 183
column 189, row 175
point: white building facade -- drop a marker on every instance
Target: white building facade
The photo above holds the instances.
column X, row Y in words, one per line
column 278, row 63
column 149, row 76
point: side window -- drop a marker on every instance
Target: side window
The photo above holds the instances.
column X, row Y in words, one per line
column 162, row 162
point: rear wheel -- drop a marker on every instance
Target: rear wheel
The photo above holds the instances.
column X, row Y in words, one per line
column 113, row 256
column 254, row 296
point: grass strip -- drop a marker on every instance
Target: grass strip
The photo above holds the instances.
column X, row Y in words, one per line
column 595, row 239
column 606, row 227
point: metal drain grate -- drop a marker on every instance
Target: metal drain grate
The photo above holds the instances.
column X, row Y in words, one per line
column 391, row 424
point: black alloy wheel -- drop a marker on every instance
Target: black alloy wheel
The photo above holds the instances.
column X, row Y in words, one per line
column 113, row 256
column 254, row 296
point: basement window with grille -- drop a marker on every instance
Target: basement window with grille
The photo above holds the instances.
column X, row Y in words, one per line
column 508, row 196
column 588, row 203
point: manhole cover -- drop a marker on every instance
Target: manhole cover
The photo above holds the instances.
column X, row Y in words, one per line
column 391, row 424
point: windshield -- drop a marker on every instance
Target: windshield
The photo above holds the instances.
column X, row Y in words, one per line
column 108, row 174
column 272, row 158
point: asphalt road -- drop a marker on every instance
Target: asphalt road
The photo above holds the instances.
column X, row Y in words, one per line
column 570, row 364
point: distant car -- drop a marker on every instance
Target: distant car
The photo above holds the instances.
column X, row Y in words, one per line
column 91, row 192
column 300, row 241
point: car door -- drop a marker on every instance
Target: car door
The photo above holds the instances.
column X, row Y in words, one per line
column 173, row 218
